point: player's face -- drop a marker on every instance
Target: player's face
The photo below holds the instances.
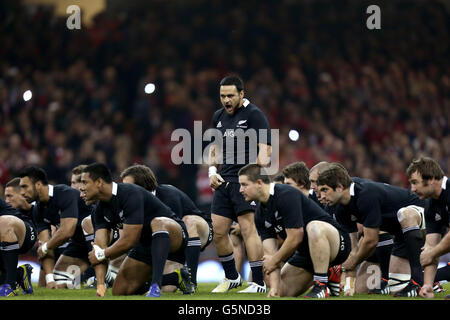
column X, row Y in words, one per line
column 75, row 181
column 423, row 189
column 89, row 189
column 14, row 198
column 313, row 175
column 230, row 98
column 328, row 195
column 248, row 188
column 128, row 179
column 292, row 183
column 28, row 189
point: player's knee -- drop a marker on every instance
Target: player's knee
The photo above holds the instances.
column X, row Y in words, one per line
column 220, row 232
column 315, row 230
column 6, row 228
column 192, row 225
column 408, row 217
column 247, row 228
column 86, row 225
column 120, row 288
column 161, row 224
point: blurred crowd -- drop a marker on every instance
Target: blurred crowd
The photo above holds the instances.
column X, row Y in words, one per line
column 371, row 99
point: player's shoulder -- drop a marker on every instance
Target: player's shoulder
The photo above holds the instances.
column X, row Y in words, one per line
column 128, row 189
column 64, row 190
column 253, row 109
column 361, row 185
column 218, row 114
column 284, row 190
column 167, row 187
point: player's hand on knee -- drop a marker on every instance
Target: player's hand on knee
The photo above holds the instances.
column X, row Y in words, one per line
column 235, row 230
column 51, row 285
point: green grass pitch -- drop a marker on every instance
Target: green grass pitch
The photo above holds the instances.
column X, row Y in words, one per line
column 203, row 293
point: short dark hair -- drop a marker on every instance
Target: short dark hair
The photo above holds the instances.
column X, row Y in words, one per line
column 142, row 175
column 279, row 178
column 78, row 169
column 233, row 80
column 427, row 167
column 299, row 172
column 98, row 170
column 14, row 183
column 254, row 172
column 35, row 174
column 333, row 176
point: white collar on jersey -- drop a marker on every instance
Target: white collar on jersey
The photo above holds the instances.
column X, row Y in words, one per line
column 444, row 183
column 114, row 188
column 352, row 189
column 153, row 192
column 272, row 188
column 50, row 190
column 246, row 102
column 311, row 191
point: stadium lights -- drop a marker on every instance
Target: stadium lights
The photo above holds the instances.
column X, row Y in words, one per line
column 149, row 88
column 294, row 135
column 27, row 95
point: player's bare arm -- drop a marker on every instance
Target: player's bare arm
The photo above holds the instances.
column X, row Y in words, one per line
column 366, row 248
column 429, row 271
column 215, row 180
column 264, row 154
column 270, row 247
column 129, row 239
column 294, row 236
column 48, row 261
column 349, row 276
column 102, row 237
column 62, row 235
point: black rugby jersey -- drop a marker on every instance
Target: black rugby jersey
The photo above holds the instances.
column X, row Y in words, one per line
column 65, row 202
column 375, row 205
column 313, row 197
column 233, row 129
column 179, row 202
column 26, row 215
column 287, row 207
column 7, row 209
column 437, row 216
column 129, row 204
column 331, row 210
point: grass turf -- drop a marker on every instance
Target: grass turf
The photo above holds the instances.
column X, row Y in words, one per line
column 203, row 293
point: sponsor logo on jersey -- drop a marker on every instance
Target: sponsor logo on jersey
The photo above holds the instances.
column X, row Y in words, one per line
column 219, row 125
column 229, row 133
column 242, row 124
column 276, row 216
column 278, row 229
